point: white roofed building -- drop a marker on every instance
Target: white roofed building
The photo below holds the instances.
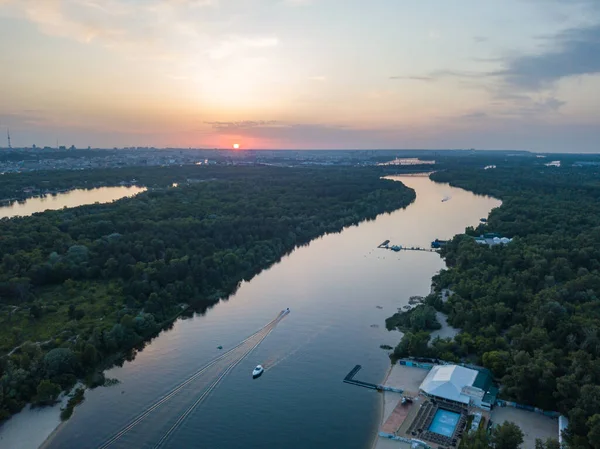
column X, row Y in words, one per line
column 461, row 385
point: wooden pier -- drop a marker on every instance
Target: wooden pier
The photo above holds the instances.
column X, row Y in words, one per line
column 349, row 379
column 412, row 248
column 396, row 248
column 417, row 248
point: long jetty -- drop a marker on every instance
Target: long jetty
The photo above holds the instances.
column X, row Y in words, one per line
column 396, row 248
column 418, row 248
column 349, row 379
column 410, row 248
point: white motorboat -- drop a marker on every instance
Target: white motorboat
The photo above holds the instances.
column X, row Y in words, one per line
column 257, row 371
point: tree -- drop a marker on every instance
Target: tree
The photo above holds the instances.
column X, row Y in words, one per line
column 47, row 392
column 71, row 311
column 476, row 440
column 60, row 361
column 496, row 361
column 594, row 433
column 550, row 443
column 507, row 436
column 89, row 357
column 127, row 321
column 35, row 311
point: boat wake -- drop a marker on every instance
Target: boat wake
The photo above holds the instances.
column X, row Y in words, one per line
column 274, row 361
column 214, row 371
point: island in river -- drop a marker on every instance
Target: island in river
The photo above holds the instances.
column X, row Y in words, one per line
column 80, row 286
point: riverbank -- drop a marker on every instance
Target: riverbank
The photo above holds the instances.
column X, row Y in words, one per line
column 388, row 403
column 32, row 426
column 193, row 245
column 67, row 198
column 391, row 399
column 332, row 285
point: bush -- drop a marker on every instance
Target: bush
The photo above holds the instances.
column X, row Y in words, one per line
column 47, row 392
column 420, row 318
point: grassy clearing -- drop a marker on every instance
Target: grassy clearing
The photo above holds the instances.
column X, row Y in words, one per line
column 94, row 303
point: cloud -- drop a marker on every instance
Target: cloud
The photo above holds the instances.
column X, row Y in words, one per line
column 574, row 52
column 157, row 29
column 79, row 20
column 498, row 133
column 195, row 3
column 234, row 44
column 412, row 78
column 458, row 74
column 297, row 2
column 526, row 105
column 440, row 74
column 241, row 125
column 322, row 136
column 474, row 115
column 479, row 39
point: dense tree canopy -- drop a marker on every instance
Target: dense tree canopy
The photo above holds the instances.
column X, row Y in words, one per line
column 80, row 285
column 530, row 310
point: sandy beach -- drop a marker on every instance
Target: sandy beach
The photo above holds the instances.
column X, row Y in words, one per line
column 390, row 401
column 30, row 428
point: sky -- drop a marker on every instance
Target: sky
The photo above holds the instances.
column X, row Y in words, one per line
column 301, row 74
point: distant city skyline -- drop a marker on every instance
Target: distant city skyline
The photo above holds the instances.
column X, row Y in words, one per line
column 301, row 74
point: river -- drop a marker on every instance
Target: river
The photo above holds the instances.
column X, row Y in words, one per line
column 340, row 290
column 72, row 198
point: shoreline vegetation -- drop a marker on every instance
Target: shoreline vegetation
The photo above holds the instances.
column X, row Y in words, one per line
column 85, row 288
column 22, row 186
column 528, row 310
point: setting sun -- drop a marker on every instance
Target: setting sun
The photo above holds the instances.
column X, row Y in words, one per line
column 236, row 146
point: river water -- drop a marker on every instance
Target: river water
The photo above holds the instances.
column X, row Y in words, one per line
column 340, row 289
column 72, row 198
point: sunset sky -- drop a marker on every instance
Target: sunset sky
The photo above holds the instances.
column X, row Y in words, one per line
column 489, row 74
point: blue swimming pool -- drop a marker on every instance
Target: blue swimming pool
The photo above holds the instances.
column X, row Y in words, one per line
column 444, row 422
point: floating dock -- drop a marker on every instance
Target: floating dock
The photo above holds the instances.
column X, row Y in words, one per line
column 396, row 248
column 349, row 379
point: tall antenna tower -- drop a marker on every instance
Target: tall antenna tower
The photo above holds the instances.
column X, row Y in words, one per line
column 8, row 136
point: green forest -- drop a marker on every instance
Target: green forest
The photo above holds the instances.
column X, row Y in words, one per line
column 82, row 288
column 529, row 310
column 20, row 186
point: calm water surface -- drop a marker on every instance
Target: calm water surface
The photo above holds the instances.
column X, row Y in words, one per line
column 72, row 198
column 333, row 287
